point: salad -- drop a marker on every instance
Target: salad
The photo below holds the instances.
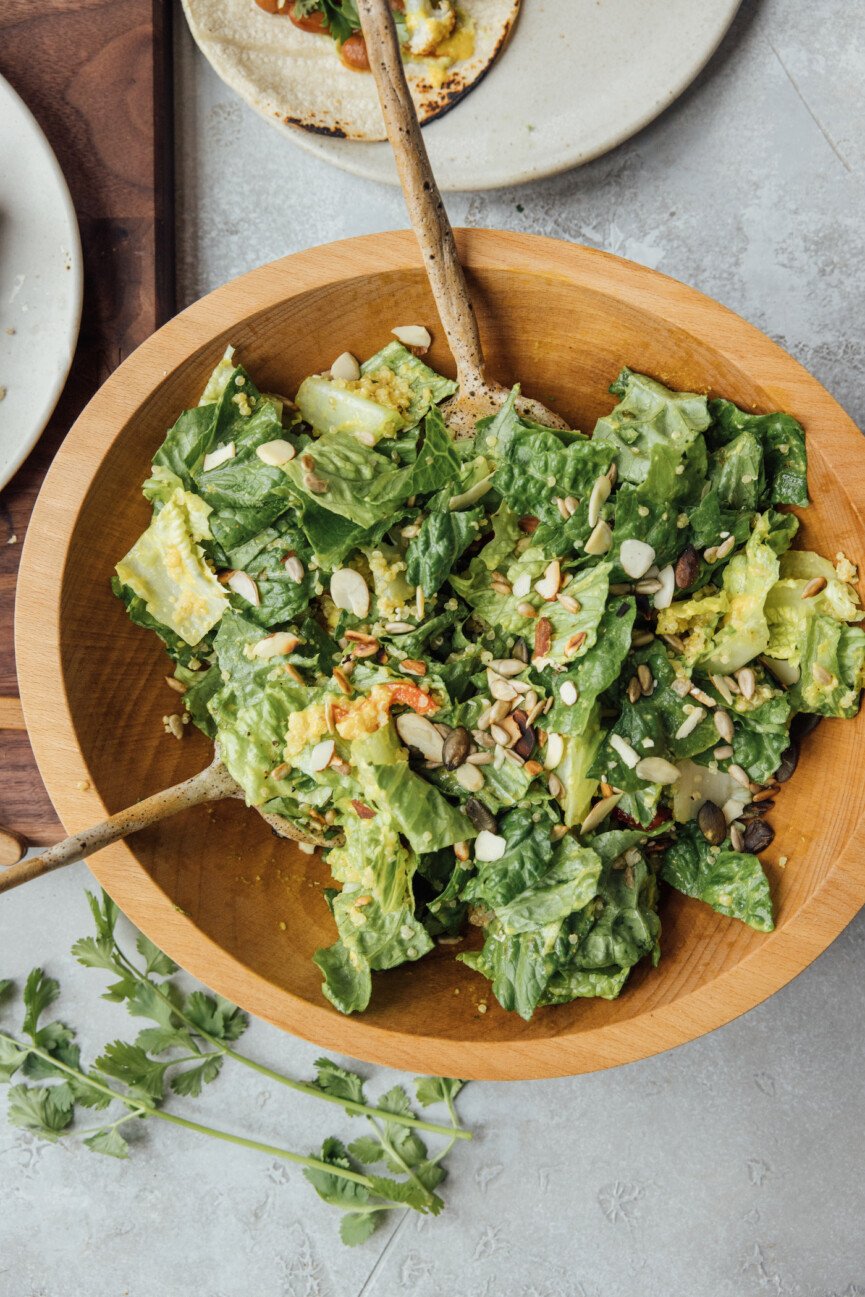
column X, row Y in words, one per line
column 515, row 684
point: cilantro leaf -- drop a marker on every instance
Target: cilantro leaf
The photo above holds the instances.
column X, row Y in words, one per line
column 332, row 1188
column 357, row 1226
column 104, row 915
column 12, row 1056
column 436, row 1089
column 59, row 1042
column 134, row 1067
column 218, row 1017
column 366, row 1150
column 108, row 1141
column 191, row 1081
column 157, row 962
column 5, row 984
column 408, row 1193
column 46, row 1110
column 333, row 1079
column 39, row 992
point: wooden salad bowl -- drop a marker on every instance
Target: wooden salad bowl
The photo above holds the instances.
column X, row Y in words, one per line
column 244, row 911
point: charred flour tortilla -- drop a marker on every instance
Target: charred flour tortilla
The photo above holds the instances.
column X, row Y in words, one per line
column 297, row 77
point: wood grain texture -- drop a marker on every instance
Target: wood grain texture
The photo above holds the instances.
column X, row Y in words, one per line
column 96, row 75
column 214, row 887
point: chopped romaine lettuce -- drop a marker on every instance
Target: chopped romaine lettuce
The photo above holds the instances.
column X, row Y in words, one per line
column 732, row 882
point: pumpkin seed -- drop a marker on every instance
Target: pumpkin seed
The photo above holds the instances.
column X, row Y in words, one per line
column 456, row 747
column 711, row 823
column 481, row 818
column 758, row 836
column 787, row 764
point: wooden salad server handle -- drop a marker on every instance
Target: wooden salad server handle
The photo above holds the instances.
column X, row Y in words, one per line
column 478, row 395
column 212, row 784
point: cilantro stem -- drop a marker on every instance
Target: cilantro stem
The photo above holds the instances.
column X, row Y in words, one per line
column 139, row 1109
column 301, row 1087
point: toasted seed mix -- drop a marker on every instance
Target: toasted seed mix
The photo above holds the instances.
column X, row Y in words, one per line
column 456, row 748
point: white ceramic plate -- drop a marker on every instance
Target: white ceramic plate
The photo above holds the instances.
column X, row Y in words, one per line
column 40, row 281
column 577, row 78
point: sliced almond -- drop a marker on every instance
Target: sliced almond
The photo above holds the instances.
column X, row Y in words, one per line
column 690, row 723
column 348, row 590
column 554, row 751
column 543, row 637
column 522, row 585
column 667, row 579
column 568, row 693
column 489, row 846
column 636, row 557
column 599, row 812
column 550, row 583
column 218, row 456
column 276, row 645
column 275, row 453
column 322, row 754
column 345, row 367
column 600, row 494
column 413, row 667
column 600, row 540
column 242, row 583
column 417, row 732
column 413, row 335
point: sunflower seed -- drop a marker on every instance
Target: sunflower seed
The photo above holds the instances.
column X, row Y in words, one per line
column 702, row 697
column 479, row 759
column 413, row 667
column 624, row 750
column 535, row 712
column 562, row 508
column 723, row 724
column 575, row 643
column 500, row 688
column 501, row 586
column 634, row 690
column 520, row 650
column 674, row 642
column 737, row 840
column 242, row 583
column 527, row 609
column 740, row 775
column 461, row 851
column 644, row 675
column 747, row 682
column 342, row 681
column 569, row 604
column 507, row 666
column 726, row 548
column 177, row 685
column 681, row 686
column 500, row 735
column 641, row 638
column 655, row 770
column 556, row 787
column 652, row 586
column 482, row 739
column 690, row 723
column 721, row 685
column 723, row 753
column 815, row 586
column 621, row 588
column 572, row 504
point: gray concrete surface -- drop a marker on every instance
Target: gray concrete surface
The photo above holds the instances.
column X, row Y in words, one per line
column 730, row 1167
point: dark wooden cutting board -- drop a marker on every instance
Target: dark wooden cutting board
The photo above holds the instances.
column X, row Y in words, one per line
column 96, row 74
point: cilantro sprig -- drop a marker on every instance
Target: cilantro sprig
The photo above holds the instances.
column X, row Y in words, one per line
column 185, row 1049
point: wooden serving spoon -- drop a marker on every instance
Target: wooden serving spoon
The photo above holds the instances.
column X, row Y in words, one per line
column 479, row 395
column 212, row 784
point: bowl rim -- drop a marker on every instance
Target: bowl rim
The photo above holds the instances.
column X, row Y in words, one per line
column 771, row 965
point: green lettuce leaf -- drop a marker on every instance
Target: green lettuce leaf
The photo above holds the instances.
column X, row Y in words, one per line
column 166, row 570
column 347, row 983
column 832, row 672
column 443, row 537
column 732, row 882
column 427, row 387
column 783, row 443
column 649, row 415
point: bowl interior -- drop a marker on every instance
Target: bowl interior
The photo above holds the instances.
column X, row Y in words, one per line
column 253, row 904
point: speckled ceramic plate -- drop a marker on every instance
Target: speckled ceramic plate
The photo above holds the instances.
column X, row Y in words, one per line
column 576, row 78
column 40, row 281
